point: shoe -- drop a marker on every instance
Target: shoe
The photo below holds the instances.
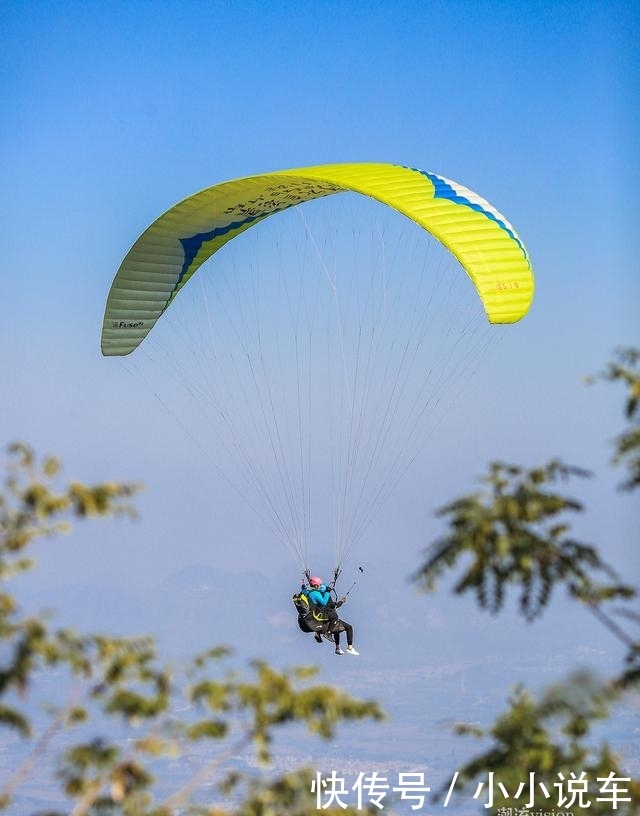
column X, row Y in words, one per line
column 351, row 650
column 318, row 637
column 339, row 651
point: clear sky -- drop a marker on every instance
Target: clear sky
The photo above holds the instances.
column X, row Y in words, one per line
column 114, row 111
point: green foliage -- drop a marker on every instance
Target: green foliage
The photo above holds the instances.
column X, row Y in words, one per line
column 546, row 745
column 121, row 679
column 31, row 507
column 516, row 534
column 625, row 368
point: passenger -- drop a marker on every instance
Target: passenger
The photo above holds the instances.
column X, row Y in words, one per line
column 320, row 596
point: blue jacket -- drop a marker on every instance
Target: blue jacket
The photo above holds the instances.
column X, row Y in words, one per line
column 320, row 596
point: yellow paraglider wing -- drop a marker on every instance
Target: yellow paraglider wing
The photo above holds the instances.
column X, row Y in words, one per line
column 168, row 253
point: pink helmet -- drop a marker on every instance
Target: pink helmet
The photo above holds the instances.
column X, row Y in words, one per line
column 315, row 581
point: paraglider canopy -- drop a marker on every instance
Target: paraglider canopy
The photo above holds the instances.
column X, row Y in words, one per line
column 172, row 249
column 332, row 371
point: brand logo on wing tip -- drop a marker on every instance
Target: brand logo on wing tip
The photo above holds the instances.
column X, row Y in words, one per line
column 127, row 324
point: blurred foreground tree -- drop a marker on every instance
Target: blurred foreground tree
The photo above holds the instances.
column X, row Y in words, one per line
column 542, row 754
column 117, row 686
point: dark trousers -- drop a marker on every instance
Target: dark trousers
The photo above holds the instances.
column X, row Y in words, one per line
column 348, row 628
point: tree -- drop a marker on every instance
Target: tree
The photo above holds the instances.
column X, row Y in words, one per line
column 121, row 683
column 515, row 534
column 625, row 368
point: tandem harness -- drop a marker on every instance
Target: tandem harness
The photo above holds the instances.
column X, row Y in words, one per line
column 313, row 618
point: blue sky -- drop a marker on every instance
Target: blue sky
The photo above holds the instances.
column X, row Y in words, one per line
column 114, row 111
